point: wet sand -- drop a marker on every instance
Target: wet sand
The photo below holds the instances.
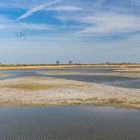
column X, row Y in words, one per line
column 35, row 91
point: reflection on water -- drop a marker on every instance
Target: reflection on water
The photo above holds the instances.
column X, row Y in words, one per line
column 69, row 123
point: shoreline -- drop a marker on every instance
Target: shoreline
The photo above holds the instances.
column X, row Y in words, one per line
column 65, row 105
column 123, row 106
column 29, row 67
column 59, row 92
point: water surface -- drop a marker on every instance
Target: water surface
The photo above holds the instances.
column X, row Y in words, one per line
column 69, row 123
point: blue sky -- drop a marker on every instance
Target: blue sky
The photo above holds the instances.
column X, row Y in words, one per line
column 91, row 31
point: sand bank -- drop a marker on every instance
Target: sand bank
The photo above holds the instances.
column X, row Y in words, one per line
column 34, row 91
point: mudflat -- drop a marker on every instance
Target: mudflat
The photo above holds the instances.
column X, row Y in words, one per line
column 37, row 91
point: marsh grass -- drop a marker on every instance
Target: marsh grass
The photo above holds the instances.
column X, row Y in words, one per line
column 115, row 101
column 29, row 86
column 1, row 75
column 38, row 86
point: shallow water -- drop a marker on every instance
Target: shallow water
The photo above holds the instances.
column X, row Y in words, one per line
column 119, row 81
column 69, row 123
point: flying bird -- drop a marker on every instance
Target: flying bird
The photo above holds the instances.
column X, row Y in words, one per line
column 21, row 35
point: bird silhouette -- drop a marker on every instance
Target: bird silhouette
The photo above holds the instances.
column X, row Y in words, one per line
column 21, row 35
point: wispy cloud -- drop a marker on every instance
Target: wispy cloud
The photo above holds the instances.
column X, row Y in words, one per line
column 103, row 22
column 38, row 8
column 86, row 18
column 6, row 23
column 31, row 26
column 64, row 8
column 109, row 23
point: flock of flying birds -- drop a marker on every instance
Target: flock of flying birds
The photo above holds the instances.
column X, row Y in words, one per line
column 21, row 35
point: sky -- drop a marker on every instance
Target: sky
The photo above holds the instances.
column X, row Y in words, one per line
column 82, row 31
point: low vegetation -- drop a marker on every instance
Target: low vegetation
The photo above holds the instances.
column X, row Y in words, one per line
column 29, row 86
column 39, row 66
column 2, row 75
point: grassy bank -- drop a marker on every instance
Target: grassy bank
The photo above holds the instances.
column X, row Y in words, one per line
column 39, row 66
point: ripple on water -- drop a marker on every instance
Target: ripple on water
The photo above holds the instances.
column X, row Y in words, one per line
column 70, row 123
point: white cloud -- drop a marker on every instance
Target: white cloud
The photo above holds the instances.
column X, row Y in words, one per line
column 6, row 24
column 31, row 26
column 63, row 8
column 38, row 8
column 91, row 17
column 109, row 23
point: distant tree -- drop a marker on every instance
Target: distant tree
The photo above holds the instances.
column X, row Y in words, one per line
column 57, row 63
column 70, row 62
column 108, row 63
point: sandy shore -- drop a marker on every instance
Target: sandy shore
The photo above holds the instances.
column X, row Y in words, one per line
column 34, row 91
